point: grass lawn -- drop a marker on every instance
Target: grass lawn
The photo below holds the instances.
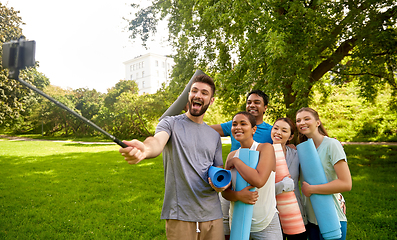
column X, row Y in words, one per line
column 372, row 205
column 71, row 191
column 54, row 190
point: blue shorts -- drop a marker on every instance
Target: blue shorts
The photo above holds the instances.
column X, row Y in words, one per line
column 313, row 231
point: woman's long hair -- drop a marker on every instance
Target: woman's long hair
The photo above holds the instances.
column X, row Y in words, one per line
column 321, row 128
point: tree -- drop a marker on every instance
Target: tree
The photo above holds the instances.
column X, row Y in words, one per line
column 30, row 116
column 109, row 114
column 133, row 115
column 285, row 48
column 11, row 95
column 88, row 102
column 16, row 101
column 120, row 87
column 56, row 119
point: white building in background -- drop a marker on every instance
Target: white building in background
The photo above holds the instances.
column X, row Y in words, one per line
column 149, row 71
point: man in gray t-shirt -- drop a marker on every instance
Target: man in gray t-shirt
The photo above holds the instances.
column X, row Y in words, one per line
column 188, row 195
column 191, row 205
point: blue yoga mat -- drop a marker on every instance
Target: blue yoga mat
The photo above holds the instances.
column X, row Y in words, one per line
column 323, row 205
column 219, row 176
column 242, row 213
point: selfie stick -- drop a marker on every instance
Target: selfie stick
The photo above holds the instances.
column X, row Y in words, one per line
column 61, row 105
column 16, row 63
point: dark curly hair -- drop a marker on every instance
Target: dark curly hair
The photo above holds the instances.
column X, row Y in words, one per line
column 260, row 94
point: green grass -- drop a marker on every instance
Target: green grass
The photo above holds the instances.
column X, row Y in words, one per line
column 53, row 190
column 371, row 205
column 72, row 191
column 99, row 138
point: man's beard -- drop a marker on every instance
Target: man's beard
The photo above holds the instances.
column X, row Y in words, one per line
column 195, row 112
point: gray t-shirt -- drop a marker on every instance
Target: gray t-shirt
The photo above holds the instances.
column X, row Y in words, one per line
column 191, row 149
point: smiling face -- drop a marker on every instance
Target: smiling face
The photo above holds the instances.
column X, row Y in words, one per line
column 255, row 105
column 281, row 132
column 200, row 97
column 242, row 128
column 306, row 123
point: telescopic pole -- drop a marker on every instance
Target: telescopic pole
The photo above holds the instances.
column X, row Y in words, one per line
column 61, row 105
column 20, row 54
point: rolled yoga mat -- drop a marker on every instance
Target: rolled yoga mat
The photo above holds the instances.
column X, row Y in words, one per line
column 242, row 213
column 180, row 103
column 287, row 205
column 323, row 205
column 219, row 176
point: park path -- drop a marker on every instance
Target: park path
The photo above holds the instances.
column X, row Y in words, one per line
column 14, row 138
column 225, row 140
column 371, row 143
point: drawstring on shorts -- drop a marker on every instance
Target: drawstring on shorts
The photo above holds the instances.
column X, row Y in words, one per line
column 197, row 227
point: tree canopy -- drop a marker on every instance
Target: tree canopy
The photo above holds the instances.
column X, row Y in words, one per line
column 15, row 99
column 9, row 30
column 285, row 48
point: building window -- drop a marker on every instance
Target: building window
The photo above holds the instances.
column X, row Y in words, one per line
column 157, row 63
column 143, row 73
column 132, row 77
column 143, row 84
column 143, row 64
column 163, row 64
column 137, row 75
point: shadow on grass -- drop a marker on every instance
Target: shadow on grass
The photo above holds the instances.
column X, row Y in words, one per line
column 87, row 144
column 80, row 196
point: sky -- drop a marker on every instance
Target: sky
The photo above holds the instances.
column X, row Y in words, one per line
column 83, row 43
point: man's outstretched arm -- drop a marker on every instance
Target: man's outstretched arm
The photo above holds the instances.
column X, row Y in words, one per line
column 150, row 148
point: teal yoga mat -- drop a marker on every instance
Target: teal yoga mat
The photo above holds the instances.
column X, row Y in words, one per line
column 323, row 205
column 219, row 176
column 242, row 213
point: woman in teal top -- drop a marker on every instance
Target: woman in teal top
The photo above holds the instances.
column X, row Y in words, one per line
column 334, row 162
